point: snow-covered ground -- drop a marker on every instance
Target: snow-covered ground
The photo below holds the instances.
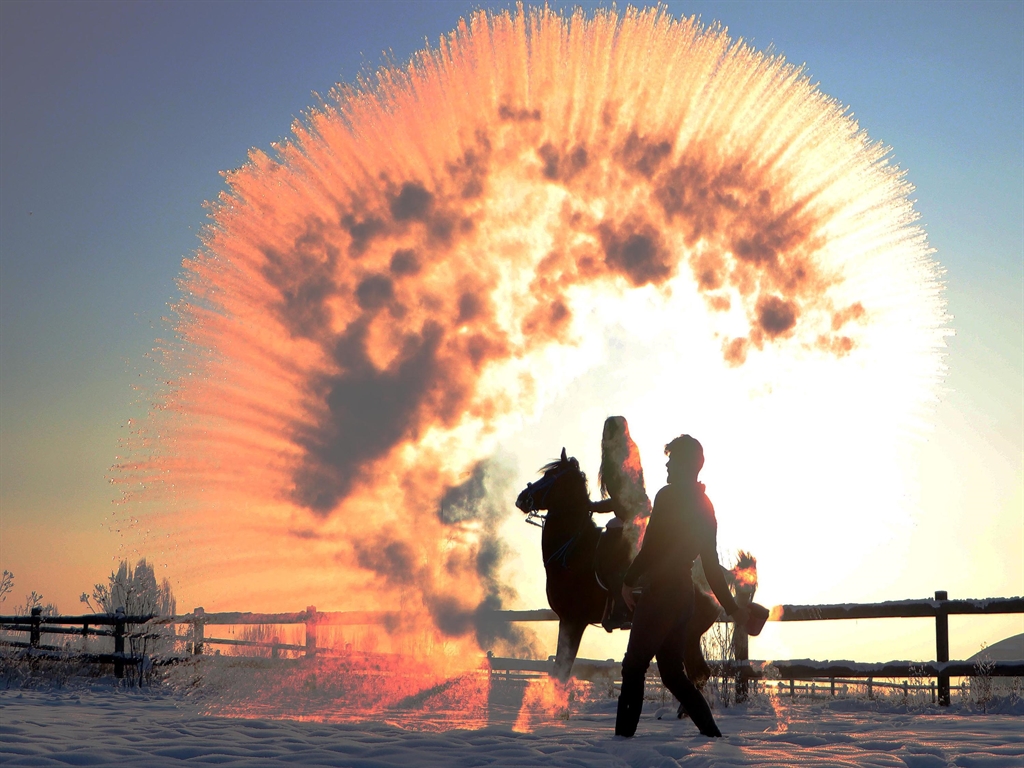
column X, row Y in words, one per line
column 101, row 725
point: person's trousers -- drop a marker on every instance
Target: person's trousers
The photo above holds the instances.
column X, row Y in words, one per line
column 659, row 630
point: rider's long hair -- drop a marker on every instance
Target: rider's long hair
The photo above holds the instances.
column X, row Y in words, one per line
column 621, row 474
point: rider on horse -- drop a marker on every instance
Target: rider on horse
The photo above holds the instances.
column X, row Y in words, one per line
column 622, row 486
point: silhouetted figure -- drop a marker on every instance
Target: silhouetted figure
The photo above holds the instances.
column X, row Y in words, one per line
column 682, row 526
column 622, row 484
column 568, row 545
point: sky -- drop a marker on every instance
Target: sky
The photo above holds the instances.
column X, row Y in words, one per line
column 116, row 120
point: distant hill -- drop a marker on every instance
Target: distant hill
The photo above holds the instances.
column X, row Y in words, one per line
column 1010, row 649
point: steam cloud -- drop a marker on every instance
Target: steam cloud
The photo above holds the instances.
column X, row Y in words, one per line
column 371, row 305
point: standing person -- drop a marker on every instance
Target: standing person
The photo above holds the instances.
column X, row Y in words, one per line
column 682, row 526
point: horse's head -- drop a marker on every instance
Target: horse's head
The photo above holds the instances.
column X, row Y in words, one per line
column 562, row 484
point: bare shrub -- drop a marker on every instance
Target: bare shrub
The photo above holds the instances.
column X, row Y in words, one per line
column 18, row 668
column 980, row 690
column 255, row 633
column 34, row 600
column 718, row 650
column 6, row 585
column 12, row 670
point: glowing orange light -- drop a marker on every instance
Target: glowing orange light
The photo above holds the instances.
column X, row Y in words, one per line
column 546, row 701
column 433, row 258
column 745, row 572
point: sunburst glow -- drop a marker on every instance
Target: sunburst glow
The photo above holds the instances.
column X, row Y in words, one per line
column 407, row 285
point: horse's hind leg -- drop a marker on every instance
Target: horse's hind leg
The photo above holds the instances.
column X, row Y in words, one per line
column 569, row 636
column 705, row 612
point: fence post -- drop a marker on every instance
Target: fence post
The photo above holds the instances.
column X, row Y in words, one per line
column 275, row 652
column 198, row 630
column 942, row 646
column 310, row 630
column 119, row 643
column 791, row 688
column 33, row 635
column 741, row 645
column 870, row 693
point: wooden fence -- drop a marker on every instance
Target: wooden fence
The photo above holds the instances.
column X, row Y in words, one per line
column 941, row 608
column 114, row 625
column 197, row 639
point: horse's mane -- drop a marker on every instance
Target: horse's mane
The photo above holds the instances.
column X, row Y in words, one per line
column 567, row 464
column 551, row 465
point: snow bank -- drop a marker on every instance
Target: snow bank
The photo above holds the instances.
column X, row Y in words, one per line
column 106, row 726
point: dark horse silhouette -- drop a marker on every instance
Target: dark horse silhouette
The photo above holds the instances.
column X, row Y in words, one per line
column 569, row 545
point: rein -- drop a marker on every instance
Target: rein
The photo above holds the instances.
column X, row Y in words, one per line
column 562, row 553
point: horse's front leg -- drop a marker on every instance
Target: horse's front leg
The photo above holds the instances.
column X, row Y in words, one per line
column 569, row 636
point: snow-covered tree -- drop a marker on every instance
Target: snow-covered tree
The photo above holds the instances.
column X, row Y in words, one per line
column 135, row 590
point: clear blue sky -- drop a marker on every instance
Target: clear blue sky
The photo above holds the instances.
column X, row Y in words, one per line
column 115, row 119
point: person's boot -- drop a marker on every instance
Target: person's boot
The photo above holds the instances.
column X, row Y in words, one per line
column 709, row 728
column 691, row 701
column 631, row 703
column 701, row 717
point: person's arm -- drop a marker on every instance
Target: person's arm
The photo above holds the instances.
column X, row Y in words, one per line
column 640, row 563
column 713, row 573
column 602, row 506
column 712, row 568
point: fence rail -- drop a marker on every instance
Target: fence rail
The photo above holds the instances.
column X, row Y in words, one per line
column 899, row 609
column 36, row 625
column 939, row 608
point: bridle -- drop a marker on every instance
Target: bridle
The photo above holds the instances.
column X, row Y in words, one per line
column 533, row 499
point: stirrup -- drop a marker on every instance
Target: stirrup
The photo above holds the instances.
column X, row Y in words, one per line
column 616, row 615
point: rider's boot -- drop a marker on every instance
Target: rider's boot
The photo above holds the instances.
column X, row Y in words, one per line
column 608, row 554
column 611, row 560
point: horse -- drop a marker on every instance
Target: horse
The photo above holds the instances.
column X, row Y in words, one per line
column 569, row 545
